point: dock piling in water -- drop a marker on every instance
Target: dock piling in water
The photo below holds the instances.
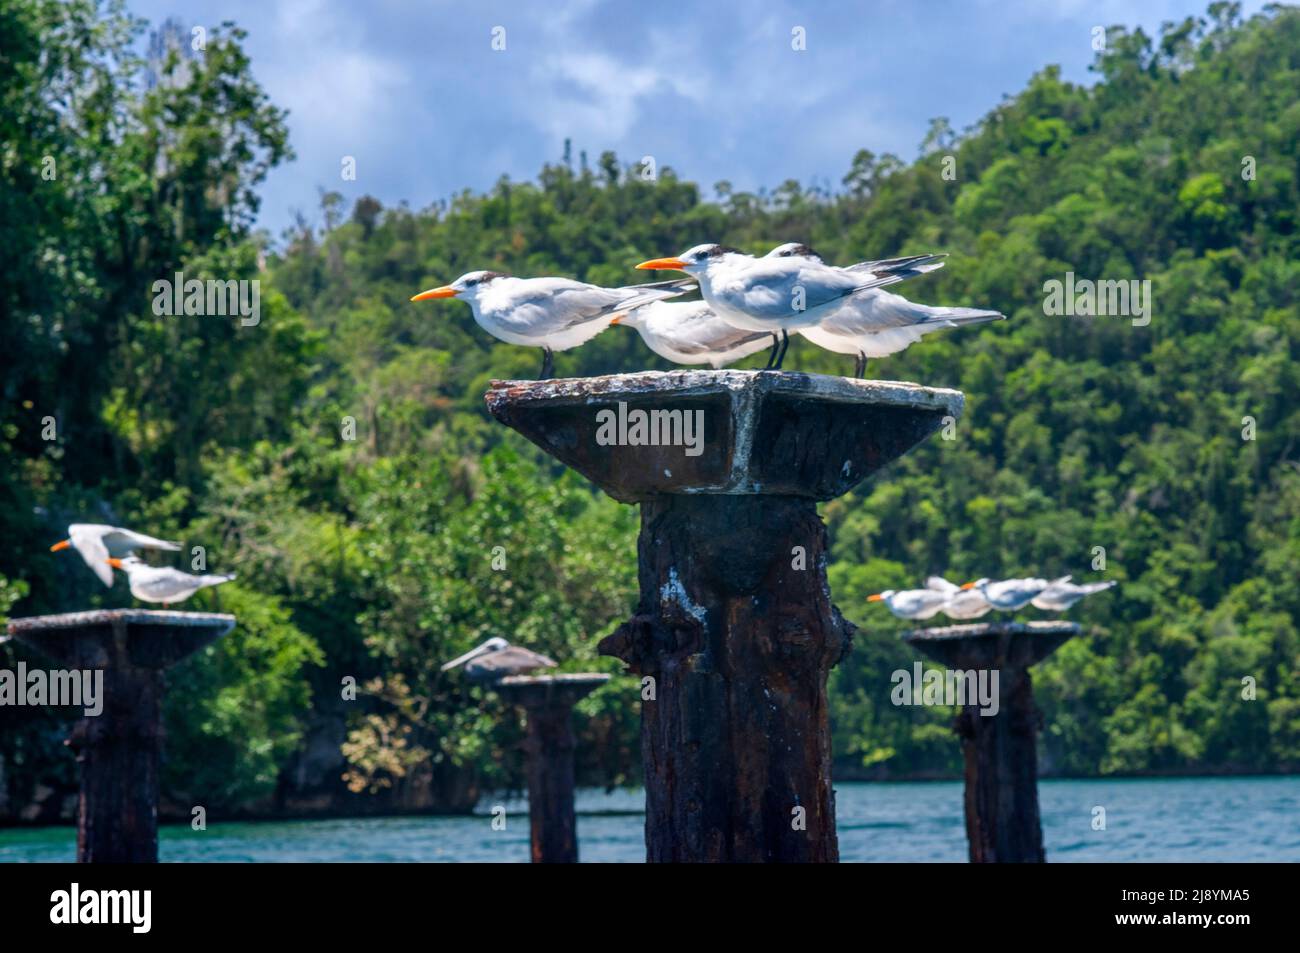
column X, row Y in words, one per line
column 734, row 634
column 1000, row 750
column 118, row 749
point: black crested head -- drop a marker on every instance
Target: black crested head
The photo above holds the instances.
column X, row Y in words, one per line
column 717, row 251
column 485, row 277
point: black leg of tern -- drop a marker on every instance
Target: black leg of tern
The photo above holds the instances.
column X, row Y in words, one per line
column 548, row 365
column 785, row 345
column 771, row 355
column 860, row 367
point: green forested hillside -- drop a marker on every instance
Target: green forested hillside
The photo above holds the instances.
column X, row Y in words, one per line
column 372, row 557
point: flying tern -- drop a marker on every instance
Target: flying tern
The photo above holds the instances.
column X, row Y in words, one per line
column 97, row 543
column 496, row 658
column 554, row 314
column 688, row 332
column 877, row 323
column 775, row 295
column 163, row 583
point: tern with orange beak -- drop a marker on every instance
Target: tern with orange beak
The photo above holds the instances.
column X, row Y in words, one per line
column 917, row 603
column 776, row 295
column 97, row 543
column 968, row 602
column 877, row 323
column 555, row 314
column 163, row 583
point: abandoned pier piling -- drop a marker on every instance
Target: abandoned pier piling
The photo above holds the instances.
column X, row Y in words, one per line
column 118, row 749
column 547, row 701
column 735, row 633
column 999, row 748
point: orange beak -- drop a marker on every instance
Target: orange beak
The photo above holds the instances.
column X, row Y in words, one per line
column 616, row 319
column 61, row 545
column 876, row 598
column 115, row 563
column 662, row 264
column 969, row 585
column 442, row 291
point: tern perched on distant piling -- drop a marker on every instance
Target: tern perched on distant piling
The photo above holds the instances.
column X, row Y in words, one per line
column 555, row 314
column 496, row 658
column 912, row 603
column 163, row 583
column 688, row 332
column 1062, row 594
column 775, row 295
column 1011, row 594
column 97, row 543
column 877, row 323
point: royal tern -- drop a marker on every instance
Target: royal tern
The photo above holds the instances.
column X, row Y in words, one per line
column 496, row 658
column 554, row 314
column 776, row 295
column 1008, row 595
column 894, row 269
column 877, row 323
column 1062, row 594
column 967, row 603
column 912, row 603
column 688, row 332
column 163, row 583
column 97, row 542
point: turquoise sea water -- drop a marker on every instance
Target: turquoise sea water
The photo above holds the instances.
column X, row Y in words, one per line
column 1184, row 819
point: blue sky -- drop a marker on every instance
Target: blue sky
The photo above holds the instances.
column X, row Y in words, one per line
column 415, row 92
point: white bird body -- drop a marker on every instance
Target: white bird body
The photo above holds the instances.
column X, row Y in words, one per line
column 1062, row 594
column 496, row 658
column 552, row 313
column 1009, row 595
column 163, row 583
column 966, row 603
column 688, row 332
column 912, row 603
column 97, row 543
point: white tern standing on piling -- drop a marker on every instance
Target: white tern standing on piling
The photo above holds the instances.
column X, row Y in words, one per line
column 877, row 323
column 163, row 583
column 776, row 295
column 1062, row 594
column 1008, row 595
column 97, row 543
column 688, row 332
column 554, row 314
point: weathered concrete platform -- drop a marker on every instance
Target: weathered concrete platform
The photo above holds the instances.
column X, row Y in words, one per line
column 119, row 750
column 1001, row 750
column 734, row 634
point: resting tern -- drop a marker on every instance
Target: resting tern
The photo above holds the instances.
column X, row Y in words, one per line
column 917, row 603
column 967, row 603
column 767, row 294
column 1062, row 594
column 554, row 314
column 496, row 658
column 688, row 332
column 97, row 542
column 1010, row 594
column 877, row 323
column 163, row 583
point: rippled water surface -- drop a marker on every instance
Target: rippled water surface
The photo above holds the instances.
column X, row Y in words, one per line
column 1187, row 819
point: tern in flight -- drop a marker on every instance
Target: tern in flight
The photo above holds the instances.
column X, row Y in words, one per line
column 775, row 295
column 97, row 543
column 688, row 332
column 496, row 658
column 163, row 583
column 877, row 323
column 555, row 314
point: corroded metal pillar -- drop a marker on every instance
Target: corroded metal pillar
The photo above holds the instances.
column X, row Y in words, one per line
column 118, row 749
column 1000, row 750
column 734, row 634
column 548, row 702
